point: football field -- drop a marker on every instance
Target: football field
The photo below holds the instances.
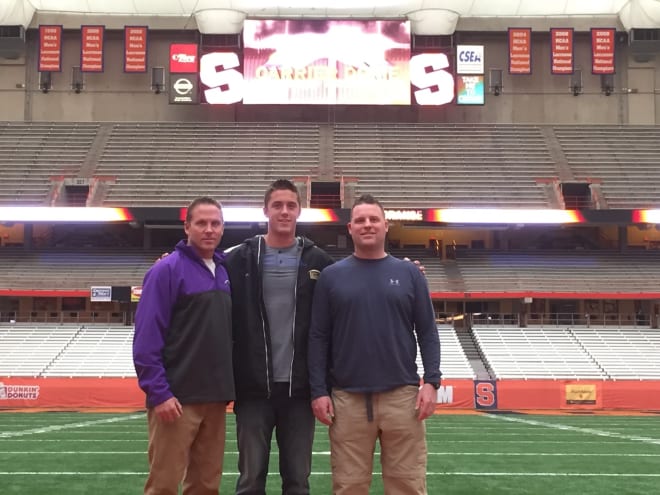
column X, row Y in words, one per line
column 471, row 454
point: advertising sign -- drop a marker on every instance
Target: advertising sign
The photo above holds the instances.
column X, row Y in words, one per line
column 184, row 58
column 469, row 59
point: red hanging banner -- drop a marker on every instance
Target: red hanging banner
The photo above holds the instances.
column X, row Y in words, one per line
column 602, row 50
column 135, row 48
column 50, row 48
column 91, row 49
column 520, row 50
column 561, row 50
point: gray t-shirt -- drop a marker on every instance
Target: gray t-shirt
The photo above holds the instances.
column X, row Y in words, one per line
column 279, row 283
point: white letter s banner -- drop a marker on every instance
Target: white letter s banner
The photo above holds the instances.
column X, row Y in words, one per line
column 217, row 71
column 437, row 77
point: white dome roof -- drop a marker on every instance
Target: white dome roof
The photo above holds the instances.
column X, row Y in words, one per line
column 427, row 16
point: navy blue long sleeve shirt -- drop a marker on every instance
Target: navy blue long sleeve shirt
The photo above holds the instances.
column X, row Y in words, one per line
column 368, row 317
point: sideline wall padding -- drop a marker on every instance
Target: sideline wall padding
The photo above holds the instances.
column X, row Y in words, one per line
column 22, row 392
column 80, row 393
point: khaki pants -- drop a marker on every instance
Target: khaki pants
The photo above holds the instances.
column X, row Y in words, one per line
column 190, row 449
column 402, row 442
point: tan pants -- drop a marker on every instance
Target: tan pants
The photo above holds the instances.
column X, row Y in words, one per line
column 190, row 449
column 402, row 442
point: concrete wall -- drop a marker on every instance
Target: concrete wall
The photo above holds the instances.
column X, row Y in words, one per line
column 537, row 98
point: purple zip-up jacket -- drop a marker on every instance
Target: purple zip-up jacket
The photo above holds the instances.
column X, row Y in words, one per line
column 183, row 340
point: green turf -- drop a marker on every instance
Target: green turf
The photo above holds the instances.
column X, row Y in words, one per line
column 99, row 454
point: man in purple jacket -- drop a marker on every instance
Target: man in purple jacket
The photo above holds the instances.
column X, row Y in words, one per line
column 182, row 354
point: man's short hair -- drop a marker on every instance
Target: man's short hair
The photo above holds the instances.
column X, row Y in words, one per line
column 367, row 199
column 203, row 200
column 280, row 185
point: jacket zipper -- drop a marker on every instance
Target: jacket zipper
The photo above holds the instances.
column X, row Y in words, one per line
column 293, row 329
column 261, row 313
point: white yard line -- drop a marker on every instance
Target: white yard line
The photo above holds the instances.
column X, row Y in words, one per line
column 68, row 426
column 324, row 473
column 578, row 429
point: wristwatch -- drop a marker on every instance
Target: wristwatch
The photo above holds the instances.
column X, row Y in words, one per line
column 435, row 385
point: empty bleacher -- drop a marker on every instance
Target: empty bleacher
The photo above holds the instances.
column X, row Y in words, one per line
column 623, row 158
column 33, row 152
column 406, row 165
column 96, row 351
column 453, row 361
column 26, row 350
column 630, row 353
column 72, row 268
column 445, row 165
column 536, row 352
column 167, row 164
column 558, row 271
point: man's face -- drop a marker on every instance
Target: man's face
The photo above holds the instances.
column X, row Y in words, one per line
column 368, row 227
column 205, row 229
column 282, row 211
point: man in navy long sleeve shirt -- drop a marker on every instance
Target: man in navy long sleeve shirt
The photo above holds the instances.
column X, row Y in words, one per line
column 370, row 312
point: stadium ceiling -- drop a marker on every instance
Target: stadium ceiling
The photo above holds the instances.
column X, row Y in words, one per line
column 426, row 16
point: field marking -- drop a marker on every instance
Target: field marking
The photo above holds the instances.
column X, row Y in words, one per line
column 578, row 429
column 327, row 453
column 325, row 473
column 77, row 440
column 67, row 426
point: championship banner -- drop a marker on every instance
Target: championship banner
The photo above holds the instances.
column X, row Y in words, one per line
column 91, row 49
column 50, row 48
column 602, row 50
column 561, row 50
column 135, row 48
column 520, row 50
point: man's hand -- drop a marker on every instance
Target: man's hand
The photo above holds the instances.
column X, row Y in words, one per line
column 162, row 257
column 419, row 265
column 169, row 411
column 323, row 410
column 427, row 398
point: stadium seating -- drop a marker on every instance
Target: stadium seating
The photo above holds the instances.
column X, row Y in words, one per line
column 535, row 352
column 445, row 165
column 454, row 363
column 96, row 351
column 27, row 349
column 631, row 353
column 624, row 159
column 407, row 165
column 73, row 268
column 166, row 164
column 557, row 271
column 31, row 153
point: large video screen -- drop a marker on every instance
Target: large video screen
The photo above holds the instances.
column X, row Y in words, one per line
column 330, row 62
